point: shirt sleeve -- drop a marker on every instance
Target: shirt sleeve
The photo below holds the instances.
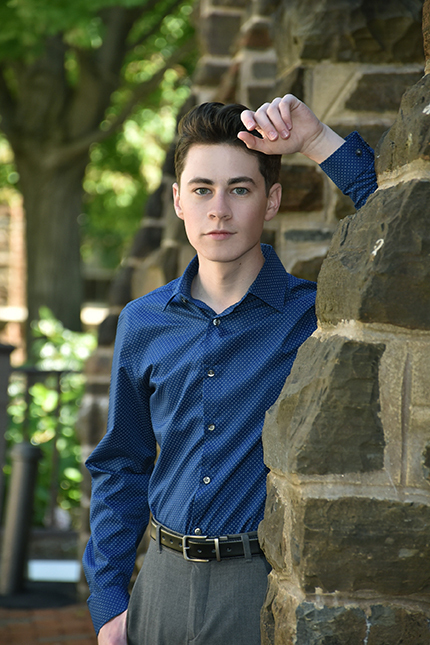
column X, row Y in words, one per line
column 352, row 168
column 120, row 468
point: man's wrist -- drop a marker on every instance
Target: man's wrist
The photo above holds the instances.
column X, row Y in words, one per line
column 324, row 145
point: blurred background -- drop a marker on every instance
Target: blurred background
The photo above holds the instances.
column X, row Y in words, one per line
column 90, row 95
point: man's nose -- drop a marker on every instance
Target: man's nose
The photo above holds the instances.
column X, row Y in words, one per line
column 219, row 207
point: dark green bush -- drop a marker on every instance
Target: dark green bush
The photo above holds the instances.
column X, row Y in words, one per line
column 48, row 417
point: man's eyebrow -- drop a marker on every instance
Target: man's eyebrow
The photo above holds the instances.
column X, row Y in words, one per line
column 201, row 180
column 233, row 180
column 241, row 180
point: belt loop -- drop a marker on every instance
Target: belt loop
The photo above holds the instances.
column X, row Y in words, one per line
column 246, row 547
column 158, row 537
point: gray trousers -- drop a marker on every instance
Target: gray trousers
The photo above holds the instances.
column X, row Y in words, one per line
column 175, row 602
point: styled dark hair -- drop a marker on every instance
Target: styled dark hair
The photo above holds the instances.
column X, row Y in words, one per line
column 216, row 123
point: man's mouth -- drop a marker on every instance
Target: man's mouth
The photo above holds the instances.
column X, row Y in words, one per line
column 219, row 234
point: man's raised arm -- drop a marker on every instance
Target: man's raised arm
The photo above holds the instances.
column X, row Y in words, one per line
column 287, row 125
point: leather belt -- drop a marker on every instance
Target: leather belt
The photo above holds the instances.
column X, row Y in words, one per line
column 199, row 548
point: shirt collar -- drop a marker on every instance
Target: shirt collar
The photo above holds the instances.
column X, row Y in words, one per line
column 269, row 286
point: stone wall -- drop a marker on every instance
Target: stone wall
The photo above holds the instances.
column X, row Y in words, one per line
column 348, row 442
column 347, row 513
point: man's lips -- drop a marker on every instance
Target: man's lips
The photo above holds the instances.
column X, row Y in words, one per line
column 219, row 234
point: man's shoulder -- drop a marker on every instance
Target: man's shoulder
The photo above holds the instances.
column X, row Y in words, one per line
column 301, row 288
column 152, row 302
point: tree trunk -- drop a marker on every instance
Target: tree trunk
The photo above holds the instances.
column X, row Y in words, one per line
column 52, row 201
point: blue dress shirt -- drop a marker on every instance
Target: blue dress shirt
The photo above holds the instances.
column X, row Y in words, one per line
column 198, row 384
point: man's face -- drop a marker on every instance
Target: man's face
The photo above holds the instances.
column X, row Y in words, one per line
column 222, row 200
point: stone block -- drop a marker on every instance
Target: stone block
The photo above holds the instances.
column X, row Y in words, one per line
column 355, row 544
column 308, row 269
column 344, row 206
column 349, row 625
column 219, row 32
column 292, row 83
column 278, row 624
column 326, row 419
column 416, row 447
column 391, row 625
column 258, row 94
column 256, row 35
column 318, row 626
column 378, row 265
column 210, row 71
column 345, row 31
column 272, row 529
column 308, row 235
column 302, row 188
column 421, row 374
column 263, row 70
column 408, row 140
column 381, row 92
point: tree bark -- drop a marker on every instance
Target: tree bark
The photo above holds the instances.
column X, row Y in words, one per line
column 50, row 126
column 53, row 201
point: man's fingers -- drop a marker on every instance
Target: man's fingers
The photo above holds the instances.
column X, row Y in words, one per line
column 281, row 120
column 266, row 126
column 248, row 120
column 251, row 142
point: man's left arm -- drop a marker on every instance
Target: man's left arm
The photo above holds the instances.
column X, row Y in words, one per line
column 287, row 125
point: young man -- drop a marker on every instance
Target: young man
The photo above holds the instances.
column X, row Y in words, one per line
column 196, row 365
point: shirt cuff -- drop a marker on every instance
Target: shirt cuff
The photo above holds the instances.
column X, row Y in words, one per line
column 106, row 605
column 352, row 168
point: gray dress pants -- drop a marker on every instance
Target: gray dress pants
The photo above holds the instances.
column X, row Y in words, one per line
column 176, row 602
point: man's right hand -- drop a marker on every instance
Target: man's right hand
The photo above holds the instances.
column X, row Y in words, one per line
column 114, row 632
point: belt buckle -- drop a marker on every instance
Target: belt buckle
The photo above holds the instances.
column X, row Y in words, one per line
column 185, row 547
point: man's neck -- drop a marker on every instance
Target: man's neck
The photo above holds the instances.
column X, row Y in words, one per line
column 221, row 284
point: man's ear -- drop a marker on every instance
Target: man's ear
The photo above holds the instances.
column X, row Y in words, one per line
column 273, row 202
column 177, row 201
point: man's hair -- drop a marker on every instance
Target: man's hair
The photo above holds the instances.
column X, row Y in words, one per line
column 216, row 123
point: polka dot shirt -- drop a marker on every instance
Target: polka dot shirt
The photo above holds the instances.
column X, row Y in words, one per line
column 198, row 384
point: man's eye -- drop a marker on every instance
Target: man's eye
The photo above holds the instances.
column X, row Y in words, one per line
column 240, row 190
column 202, row 191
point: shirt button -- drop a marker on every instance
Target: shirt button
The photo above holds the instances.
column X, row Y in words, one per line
column 184, row 300
column 197, row 531
column 359, row 152
column 206, row 480
column 211, row 373
column 211, row 426
column 216, row 322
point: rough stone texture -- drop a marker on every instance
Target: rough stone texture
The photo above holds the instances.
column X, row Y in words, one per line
column 378, row 266
column 408, row 139
column 380, row 92
column 327, row 417
column 302, row 188
column 348, row 507
column 351, row 544
column 330, row 625
column 373, row 31
column 397, row 626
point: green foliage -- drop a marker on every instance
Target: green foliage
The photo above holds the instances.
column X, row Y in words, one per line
column 48, row 417
column 27, row 23
column 126, row 167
